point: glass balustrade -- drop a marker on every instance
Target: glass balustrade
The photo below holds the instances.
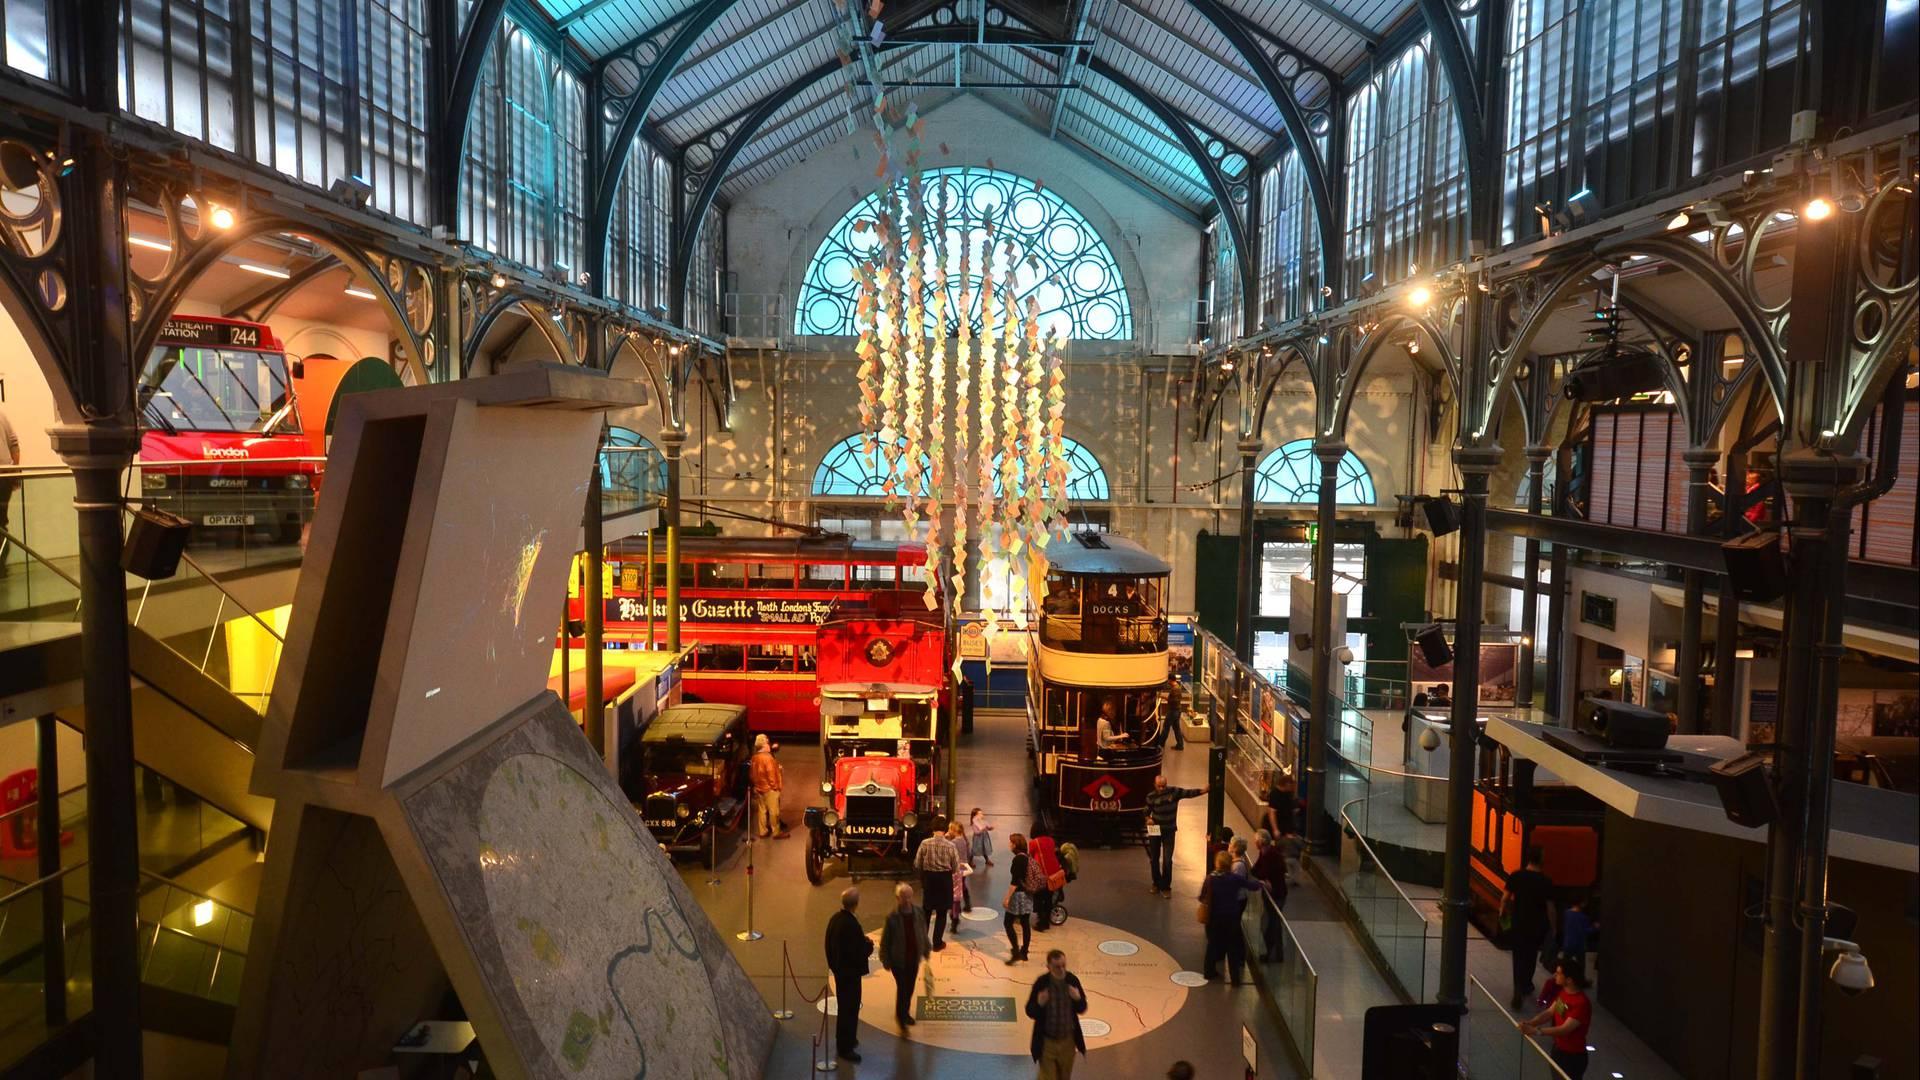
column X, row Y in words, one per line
column 190, row 942
column 1289, row 979
column 1493, row 1046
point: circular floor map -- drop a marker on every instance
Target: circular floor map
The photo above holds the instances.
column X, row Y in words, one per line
column 970, row 998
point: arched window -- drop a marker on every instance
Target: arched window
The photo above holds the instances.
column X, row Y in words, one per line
column 844, row 472
column 1291, row 474
column 1058, row 258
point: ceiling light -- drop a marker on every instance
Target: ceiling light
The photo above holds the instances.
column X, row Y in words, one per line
column 355, row 290
column 266, row 271
column 1679, row 221
column 1743, row 654
column 221, row 217
column 147, row 242
column 1819, row 208
column 499, row 280
column 203, row 913
column 1413, row 348
column 1420, row 297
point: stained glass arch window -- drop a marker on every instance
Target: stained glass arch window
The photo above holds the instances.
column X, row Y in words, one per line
column 844, row 472
column 1290, row 473
column 1059, row 259
column 630, row 463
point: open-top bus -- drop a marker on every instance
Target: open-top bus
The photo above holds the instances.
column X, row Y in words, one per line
column 1098, row 650
column 753, row 607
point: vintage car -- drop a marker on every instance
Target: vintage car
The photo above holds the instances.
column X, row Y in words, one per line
column 687, row 775
column 879, row 812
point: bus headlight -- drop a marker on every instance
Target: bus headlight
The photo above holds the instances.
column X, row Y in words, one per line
column 682, row 811
column 909, row 819
column 153, row 481
column 826, row 787
column 830, row 818
column 921, row 787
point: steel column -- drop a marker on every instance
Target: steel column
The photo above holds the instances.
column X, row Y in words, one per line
column 1530, row 591
column 1476, row 465
column 1249, row 568
column 671, row 443
column 593, row 713
column 53, row 900
column 1325, row 709
column 1692, row 615
column 98, row 453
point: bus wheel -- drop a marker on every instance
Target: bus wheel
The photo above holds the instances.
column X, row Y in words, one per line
column 816, row 860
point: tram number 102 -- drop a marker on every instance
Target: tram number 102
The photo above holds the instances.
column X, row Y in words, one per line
column 1103, row 804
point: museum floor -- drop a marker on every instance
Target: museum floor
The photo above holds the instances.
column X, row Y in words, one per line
column 1111, row 891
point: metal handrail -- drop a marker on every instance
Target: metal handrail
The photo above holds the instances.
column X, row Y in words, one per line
column 39, row 883
column 172, row 884
column 4, row 815
column 1502, row 1010
column 215, row 582
column 1361, row 837
column 39, row 558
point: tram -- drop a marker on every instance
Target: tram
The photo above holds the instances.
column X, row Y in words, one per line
column 753, row 608
column 883, row 671
column 1097, row 673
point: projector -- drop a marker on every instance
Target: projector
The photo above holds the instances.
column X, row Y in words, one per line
column 1621, row 726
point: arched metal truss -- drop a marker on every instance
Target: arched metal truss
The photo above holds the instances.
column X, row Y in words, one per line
column 708, row 157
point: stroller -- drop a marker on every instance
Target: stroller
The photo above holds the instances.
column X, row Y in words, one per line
column 1069, row 863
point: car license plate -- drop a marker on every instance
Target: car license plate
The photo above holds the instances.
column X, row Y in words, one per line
column 227, row 519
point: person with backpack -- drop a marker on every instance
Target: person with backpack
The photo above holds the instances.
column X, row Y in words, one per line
column 1019, row 901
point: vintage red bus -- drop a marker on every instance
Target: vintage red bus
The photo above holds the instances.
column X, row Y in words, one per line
column 224, row 444
column 753, row 607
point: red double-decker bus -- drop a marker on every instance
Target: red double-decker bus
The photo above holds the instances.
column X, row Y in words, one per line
column 753, row 607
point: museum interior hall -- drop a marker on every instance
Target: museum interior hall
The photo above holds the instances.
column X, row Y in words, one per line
column 959, row 539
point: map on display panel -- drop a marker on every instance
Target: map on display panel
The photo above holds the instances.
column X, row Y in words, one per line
column 449, row 854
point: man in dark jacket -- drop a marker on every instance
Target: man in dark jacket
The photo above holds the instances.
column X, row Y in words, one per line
column 848, row 948
column 1055, row 1004
column 903, row 944
column 1270, row 870
column 1163, row 816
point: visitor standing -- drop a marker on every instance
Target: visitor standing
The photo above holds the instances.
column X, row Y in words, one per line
column 1019, row 900
column 1055, row 1004
column 903, row 944
column 1270, row 870
column 936, row 860
column 1223, row 899
column 1526, row 904
column 767, row 778
column 1569, row 1020
column 1163, row 817
column 962, row 868
column 980, row 840
column 1176, row 705
column 848, row 948
column 9, row 457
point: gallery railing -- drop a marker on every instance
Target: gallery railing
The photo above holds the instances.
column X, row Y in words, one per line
column 1395, row 929
column 1493, row 1046
column 1289, row 983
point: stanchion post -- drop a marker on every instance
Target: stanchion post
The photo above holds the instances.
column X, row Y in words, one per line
column 749, row 934
column 713, row 854
column 786, row 964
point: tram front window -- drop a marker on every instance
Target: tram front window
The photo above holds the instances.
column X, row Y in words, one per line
column 1104, row 614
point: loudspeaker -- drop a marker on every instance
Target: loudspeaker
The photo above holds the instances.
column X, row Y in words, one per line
column 1755, row 567
column 154, row 543
column 1433, row 647
column 1744, row 792
column 1442, row 516
column 1620, row 725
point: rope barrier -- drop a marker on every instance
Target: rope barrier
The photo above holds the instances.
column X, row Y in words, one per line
column 821, row 1048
